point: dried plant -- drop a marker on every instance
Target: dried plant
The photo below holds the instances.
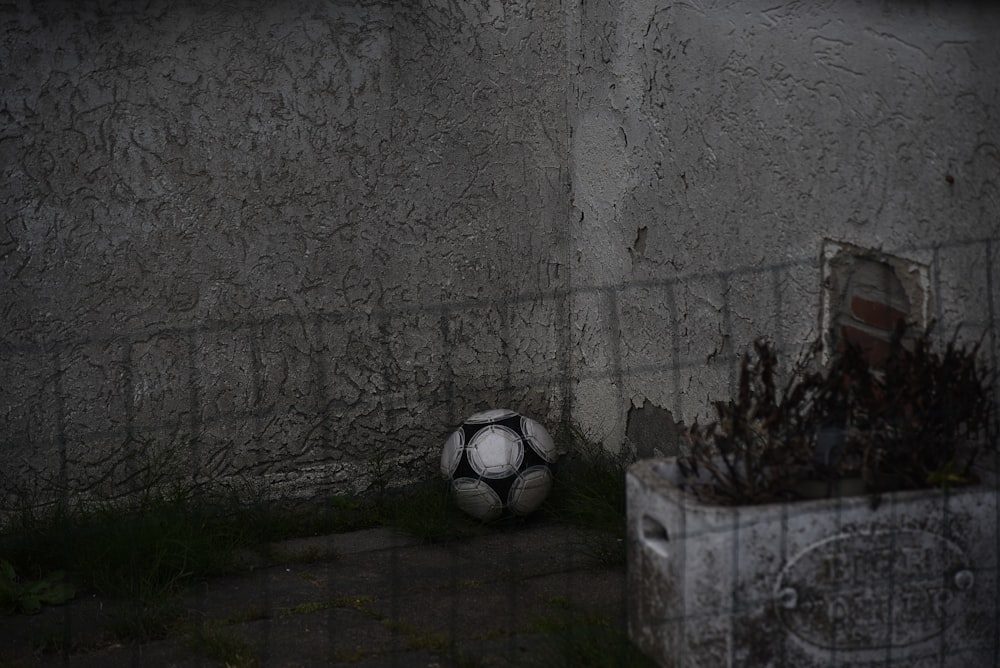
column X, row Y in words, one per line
column 919, row 420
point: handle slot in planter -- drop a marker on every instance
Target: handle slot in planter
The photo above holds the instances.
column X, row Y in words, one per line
column 654, row 535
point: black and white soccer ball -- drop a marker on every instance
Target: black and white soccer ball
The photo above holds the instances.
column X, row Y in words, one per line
column 499, row 463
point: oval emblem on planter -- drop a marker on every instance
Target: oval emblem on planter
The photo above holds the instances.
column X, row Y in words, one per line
column 864, row 591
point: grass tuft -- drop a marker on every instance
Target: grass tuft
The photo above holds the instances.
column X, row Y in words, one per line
column 428, row 512
column 574, row 638
column 141, row 622
column 145, row 553
column 217, row 645
column 589, row 493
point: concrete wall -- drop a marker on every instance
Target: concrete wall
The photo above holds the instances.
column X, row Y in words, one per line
column 717, row 144
column 296, row 242
column 280, row 241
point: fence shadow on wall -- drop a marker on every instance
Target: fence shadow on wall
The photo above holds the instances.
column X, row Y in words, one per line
column 299, row 403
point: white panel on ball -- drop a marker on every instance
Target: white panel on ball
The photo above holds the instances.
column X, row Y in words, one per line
column 539, row 439
column 530, row 490
column 452, row 452
column 492, row 415
column 495, row 451
column 477, row 498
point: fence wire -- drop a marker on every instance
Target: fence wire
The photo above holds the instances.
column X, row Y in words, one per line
column 352, row 571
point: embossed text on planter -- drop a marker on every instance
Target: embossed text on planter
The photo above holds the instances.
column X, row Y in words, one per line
column 863, row 591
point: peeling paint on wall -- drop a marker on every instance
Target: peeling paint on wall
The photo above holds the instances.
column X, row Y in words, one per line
column 755, row 130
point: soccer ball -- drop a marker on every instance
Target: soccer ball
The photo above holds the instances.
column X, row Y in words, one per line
column 499, row 462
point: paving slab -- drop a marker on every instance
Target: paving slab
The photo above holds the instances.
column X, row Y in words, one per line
column 367, row 599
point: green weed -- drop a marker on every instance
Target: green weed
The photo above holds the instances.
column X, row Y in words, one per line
column 20, row 595
column 306, row 608
column 428, row 512
column 143, row 535
column 574, row 639
column 224, row 648
column 139, row 622
column 589, row 492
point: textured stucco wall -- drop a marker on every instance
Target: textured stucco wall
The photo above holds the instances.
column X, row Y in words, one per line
column 295, row 242
column 716, row 144
column 274, row 240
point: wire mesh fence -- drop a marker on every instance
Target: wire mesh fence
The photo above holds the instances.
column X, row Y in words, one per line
column 265, row 491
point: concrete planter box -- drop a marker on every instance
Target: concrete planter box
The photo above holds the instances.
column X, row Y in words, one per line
column 832, row 582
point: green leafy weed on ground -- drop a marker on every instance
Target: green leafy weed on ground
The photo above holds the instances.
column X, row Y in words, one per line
column 20, row 595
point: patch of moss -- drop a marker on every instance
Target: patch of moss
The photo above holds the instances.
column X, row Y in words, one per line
column 225, row 648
